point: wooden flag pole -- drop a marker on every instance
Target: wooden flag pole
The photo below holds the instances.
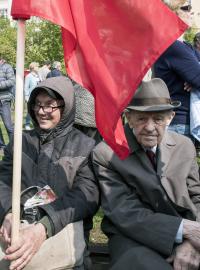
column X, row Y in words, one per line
column 17, row 156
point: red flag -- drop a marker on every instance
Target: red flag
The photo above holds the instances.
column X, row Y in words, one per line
column 108, row 46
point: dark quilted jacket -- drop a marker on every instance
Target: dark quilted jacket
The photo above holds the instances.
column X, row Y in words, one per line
column 7, row 81
column 59, row 158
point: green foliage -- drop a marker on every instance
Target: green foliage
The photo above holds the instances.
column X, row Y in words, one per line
column 189, row 34
column 43, row 41
column 8, row 40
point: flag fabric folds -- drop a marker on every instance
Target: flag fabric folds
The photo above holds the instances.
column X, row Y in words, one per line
column 108, row 48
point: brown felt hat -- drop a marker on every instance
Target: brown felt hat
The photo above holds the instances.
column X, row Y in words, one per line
column 152, row 96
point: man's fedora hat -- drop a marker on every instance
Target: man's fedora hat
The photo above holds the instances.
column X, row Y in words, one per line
column 152, row 96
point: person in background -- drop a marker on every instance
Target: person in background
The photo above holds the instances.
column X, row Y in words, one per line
column 44, row 70
column 196, row 41
column 7, row 82
column 56, row 70
column 31, row 80
column 151, row 199
column 179, row 67
column 54, row 154
column 2, row 143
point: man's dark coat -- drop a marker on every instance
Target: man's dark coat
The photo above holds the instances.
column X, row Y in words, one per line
column 145, row 205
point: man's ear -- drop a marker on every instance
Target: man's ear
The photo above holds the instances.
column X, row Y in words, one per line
column 128, row 116
column 170, row 118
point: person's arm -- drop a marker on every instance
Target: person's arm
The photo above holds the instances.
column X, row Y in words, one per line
column 27, row 87
column 184, row 63
column 77, row 203
column 6, row 166
column 123, row 207
column 9, row 79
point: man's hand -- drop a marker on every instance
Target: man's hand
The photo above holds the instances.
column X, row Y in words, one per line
column 30, row 240
column 187, row 87
column 185, row 257
column 191, row 232
column 5, row 229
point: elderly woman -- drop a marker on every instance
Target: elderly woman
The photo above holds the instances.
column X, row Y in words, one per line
column 54, row 154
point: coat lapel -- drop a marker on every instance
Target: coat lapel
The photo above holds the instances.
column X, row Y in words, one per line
column 164, row 153
column 164, row 158
column 136, row 149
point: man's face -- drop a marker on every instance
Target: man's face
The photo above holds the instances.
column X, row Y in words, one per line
column 48, row 111
column 149, row 127
column 59, row 67
column 2, row 61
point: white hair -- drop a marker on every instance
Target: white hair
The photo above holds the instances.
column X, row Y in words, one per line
column 56, row 64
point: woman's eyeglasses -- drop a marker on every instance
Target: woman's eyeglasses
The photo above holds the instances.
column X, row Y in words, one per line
column 186, row 8
column 46, row 109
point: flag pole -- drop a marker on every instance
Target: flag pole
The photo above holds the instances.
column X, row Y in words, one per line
column 17, row 156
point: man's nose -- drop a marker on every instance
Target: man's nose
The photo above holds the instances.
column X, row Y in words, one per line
column 150, row 125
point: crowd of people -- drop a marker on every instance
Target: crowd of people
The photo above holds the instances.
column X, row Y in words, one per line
column 150, row 200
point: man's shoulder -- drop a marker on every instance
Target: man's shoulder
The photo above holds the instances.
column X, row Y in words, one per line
column 177, row 48
column 178, row 139
column 6, row 66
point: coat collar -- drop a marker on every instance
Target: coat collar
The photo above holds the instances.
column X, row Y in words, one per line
column 132, row 142
column 137, row 149
column 164, row 149
column 167, row 141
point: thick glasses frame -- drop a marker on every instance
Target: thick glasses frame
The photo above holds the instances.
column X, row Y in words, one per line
column 186, row 8
column 45, row 108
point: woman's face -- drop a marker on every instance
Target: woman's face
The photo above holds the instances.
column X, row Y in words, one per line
column 185, row 13
column 48, row 111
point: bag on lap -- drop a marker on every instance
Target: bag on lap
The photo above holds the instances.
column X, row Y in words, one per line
column 64, row 250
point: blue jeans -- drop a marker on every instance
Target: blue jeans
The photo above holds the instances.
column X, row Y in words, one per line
column 2, row 143
column 181, row 129
column 5, row 113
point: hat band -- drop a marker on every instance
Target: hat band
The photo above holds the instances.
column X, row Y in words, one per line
column 150, row 101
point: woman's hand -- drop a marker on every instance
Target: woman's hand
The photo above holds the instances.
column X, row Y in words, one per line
column 30, row 240
column 5, row 230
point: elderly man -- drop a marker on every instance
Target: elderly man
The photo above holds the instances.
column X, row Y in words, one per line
column 151, row 199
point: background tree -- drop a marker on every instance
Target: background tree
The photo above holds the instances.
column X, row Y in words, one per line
column 8, row 41
column 190, row 33
column 43, row 42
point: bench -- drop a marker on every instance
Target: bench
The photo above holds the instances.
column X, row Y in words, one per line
column 100, row 256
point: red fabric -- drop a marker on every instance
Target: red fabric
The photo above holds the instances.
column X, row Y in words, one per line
column 108, row 46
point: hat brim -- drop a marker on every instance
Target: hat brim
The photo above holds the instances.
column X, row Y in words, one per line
column 155, row 108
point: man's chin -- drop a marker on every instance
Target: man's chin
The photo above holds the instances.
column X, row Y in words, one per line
column 149, row 143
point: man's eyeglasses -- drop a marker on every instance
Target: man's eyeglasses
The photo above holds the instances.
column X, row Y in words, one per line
column 45, row 108
column 186, row 8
